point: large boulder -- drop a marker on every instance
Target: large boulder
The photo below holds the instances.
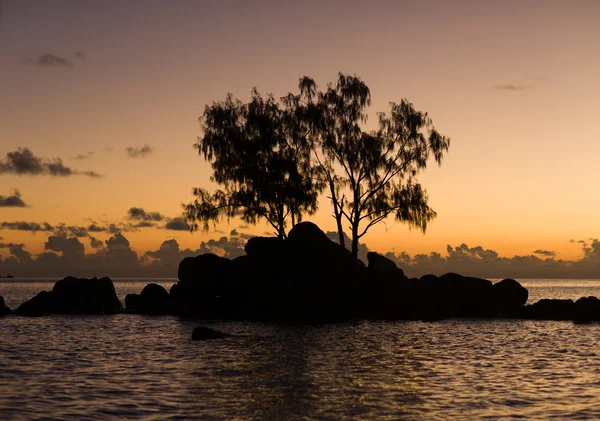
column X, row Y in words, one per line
column 41, row 304
column 75, row 296
column 4, row 310
column 549, row 309
column 382, row 265
column 509, row 296
column 454, row 295
column 132, row 302
column 206, row 270
column 586, row 309
column 264, row 247
column 85, row 296
column 203, row 285
column 154, row 299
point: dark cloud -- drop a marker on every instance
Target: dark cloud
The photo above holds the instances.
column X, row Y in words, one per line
column 48, row 60
column 510, row 87
column 26, row 226
column 143, row 224
column 12, row 201
column 24, row 162
column 80, row 55
column 177, row 224
column 95, row 243
column 138, row 151
column 83, row 156
column 68, row 246
column 118, row 241
column 140, row 214
column 74, row 230
column 10, row 245
column 547, row 253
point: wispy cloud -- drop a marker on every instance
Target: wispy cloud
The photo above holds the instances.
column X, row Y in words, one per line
column 47, row 60
column 83, row 156
column 139, row 151
column 12, row 201
column 25, row 162
column 546, row 253
column 511, row 87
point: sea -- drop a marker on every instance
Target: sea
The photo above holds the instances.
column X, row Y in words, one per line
column 138, row 367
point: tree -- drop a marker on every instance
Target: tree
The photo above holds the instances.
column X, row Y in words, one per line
column 370, row 175
column 255, row 153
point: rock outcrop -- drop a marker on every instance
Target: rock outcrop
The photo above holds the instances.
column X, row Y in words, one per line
column 4, row 310
column 75, row 296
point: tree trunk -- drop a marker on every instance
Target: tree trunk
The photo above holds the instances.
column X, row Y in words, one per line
column 337, row 214
column 355, row 240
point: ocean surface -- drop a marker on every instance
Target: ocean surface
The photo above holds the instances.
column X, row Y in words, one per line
column 147, row 368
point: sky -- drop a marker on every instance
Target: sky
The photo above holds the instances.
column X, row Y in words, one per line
column 100, row 100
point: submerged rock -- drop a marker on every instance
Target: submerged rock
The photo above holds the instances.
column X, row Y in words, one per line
column 204, row 333
column 4, row 310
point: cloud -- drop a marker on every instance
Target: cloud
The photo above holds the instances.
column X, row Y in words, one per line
column 66, row 245
column 510, row 87
column 24, row 162
column 80, row 55
column 138, row 151
column 12, row 201
column 546, row 253
column 177, row 224
column 26, row 226
column 10, row 245
column 139, row 214
column 47, row 60
column 83, row 156
column 95, row 243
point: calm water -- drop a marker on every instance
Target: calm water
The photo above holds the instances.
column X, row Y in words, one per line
column 142, row 367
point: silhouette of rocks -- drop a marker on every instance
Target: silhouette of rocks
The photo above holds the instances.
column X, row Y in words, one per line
column 549, row 309
column 264, row 247
column 154, row 299
column 509, row 296
column 41, row 304
column 309, row 278
column 4, row 310
column 586, row 309
column 75, row 296
column 204, row 333
column 132, row 302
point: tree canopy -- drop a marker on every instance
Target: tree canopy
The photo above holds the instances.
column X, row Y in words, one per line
column 275, row 158
column 253, row 151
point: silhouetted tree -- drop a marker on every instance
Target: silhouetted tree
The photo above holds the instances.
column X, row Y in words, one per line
column 370, row 175
column 255, row 150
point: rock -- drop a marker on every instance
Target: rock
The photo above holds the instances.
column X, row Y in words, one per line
column 205, row 269
column 264, row 247
column 549, row 309
column 204, row 333
column 75, row 296
column 509, row 295
column 41, row 304
column 85, row 296
column 4, row 310
column 382, row 265
column 203, row 287
column 154, row 299
column 132, row 302
column 454, row 295
column 307, row 233
column 586, row 309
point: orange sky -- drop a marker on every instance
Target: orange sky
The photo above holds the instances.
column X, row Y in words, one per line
column 515, row 85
